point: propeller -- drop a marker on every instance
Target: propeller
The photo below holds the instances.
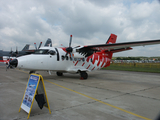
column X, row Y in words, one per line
column 11, row 51
column 35, row 46
column 16, row 51
column 69, row 49
column 39, row 45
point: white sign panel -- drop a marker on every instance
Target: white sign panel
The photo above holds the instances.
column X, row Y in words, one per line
column 29, row 93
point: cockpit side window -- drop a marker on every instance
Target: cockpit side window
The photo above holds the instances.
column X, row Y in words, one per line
column 41, row 51
column 52, row 52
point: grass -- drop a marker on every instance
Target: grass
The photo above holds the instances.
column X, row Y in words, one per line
column 138, row 67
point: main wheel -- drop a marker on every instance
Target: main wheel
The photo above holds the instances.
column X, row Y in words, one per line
column 59, row 74
column 84, row 75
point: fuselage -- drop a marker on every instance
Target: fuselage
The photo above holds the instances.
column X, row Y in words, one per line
column 43, row 60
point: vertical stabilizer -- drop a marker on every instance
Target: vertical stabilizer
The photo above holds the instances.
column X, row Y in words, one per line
column 26, row 47
column 48, row 43
column 112, row 39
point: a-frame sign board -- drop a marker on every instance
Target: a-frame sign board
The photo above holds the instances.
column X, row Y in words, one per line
column 35, row 87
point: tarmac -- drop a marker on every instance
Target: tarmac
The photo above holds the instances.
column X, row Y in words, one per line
column 105, row 95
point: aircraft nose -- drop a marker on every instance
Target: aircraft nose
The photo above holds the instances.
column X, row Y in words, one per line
column 14, row 62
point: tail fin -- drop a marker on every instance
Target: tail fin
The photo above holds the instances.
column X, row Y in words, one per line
column 48, row 43
column 112, row 39
column 26, row 47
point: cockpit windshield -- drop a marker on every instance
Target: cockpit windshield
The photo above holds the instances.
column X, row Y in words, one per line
column 41, row 51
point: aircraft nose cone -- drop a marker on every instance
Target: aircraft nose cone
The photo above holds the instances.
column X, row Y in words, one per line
column 14, row 62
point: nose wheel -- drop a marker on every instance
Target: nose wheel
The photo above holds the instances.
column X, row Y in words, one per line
column 32, row 72
column 84, row 75
column 59, row 74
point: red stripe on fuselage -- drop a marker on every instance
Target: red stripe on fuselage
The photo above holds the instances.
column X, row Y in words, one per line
column 76, row 63
column 88, row 66
column 83, row 64
column 93, row 68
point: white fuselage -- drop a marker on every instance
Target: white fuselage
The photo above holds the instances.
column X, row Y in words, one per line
column 56, row 62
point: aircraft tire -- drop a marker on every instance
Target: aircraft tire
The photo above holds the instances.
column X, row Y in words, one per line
column 59, row 74
column 84, row 75
column 31, row 72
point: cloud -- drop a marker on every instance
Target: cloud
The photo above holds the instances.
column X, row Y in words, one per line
column 90, row 22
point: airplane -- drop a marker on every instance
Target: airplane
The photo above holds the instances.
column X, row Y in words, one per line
column 48, row 43
column 6, row 56
column 79, row 59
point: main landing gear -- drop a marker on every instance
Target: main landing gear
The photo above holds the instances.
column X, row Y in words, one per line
column 84, row 75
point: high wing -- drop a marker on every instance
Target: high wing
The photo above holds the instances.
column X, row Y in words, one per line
column 116, row 47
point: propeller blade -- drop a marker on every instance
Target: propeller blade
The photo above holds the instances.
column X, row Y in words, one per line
column 62, row 45
column 70, row 41
column 72, row 56
column 35, row 46
column 65, row 56
column 16, row 50
column 69, row 49
column 40, row 45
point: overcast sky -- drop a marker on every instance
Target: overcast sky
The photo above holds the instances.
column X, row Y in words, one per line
column 89, row 21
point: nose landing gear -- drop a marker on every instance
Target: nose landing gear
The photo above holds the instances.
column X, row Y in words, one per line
column 59, row 73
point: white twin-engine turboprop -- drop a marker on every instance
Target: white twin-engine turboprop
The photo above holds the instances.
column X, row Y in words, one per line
column 80, row 59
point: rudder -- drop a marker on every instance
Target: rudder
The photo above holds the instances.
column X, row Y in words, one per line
column 111, row 40
column 26, row 47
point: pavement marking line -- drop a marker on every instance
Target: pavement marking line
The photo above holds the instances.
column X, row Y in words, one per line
column 100, row 101
column 96, row 99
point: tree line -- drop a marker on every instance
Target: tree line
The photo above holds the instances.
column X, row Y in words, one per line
column 137, row 58
column 128, row 58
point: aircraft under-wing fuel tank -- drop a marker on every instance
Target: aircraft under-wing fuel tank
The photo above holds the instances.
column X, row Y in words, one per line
column 79, row 59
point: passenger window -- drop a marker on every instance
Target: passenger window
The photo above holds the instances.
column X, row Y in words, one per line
column 83, row 59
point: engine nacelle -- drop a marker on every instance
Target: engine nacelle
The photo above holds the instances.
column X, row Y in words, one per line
column 78, row 55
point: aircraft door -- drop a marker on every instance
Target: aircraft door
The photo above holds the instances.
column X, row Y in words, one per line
column 52, row 61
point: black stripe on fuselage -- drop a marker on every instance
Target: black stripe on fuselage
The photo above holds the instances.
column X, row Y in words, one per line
column 57, row 54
